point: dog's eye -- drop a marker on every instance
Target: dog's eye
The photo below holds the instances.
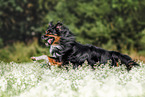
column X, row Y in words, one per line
column 46, row 32
column 50, row 32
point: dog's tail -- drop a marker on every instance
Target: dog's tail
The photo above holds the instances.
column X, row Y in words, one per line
column 125, row 59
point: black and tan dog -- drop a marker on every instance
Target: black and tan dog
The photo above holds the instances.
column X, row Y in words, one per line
column 65, row 49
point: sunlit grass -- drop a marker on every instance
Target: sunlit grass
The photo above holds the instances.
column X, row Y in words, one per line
column 33, row 80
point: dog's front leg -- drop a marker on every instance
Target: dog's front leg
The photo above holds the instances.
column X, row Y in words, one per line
column 43, row 57
column 49, row 60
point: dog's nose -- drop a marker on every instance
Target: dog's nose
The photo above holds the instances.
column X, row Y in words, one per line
column 42, row 37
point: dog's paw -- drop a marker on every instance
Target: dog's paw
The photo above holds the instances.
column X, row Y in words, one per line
column 33, row 58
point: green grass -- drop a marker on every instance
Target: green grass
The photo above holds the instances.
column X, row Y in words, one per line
column 33, row 80
column 21, row 52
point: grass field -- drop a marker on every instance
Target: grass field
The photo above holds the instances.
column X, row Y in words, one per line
column 34, row 80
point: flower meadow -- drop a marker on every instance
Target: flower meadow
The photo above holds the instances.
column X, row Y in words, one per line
column 37, row 80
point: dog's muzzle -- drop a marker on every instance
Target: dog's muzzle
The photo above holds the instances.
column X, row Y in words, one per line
column 48, row 40
column 44, row 37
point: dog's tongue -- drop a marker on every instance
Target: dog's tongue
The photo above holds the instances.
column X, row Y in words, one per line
column 49, row 41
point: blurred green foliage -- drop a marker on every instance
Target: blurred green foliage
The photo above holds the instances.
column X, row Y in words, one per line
column 111, row 24
column 1, row 42
column 99, row 22
column 20, row 52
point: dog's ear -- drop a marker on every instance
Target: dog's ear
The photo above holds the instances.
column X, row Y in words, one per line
column 59, row 26
column 50, row 24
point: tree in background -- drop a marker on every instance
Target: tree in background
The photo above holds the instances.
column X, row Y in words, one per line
column 114, row 24
column 19, row 19
column 101, row 22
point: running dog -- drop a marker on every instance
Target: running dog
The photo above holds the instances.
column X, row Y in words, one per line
column 65, row 49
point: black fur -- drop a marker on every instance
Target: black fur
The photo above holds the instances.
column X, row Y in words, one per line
column 76, row 53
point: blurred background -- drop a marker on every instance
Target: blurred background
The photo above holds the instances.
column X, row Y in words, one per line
column 111, row 24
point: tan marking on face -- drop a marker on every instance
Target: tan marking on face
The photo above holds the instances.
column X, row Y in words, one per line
column 57, row 38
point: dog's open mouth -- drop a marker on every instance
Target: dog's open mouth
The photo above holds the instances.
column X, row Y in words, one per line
column 49, row 41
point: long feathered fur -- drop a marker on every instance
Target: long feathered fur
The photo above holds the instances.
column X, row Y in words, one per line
column 76, row 53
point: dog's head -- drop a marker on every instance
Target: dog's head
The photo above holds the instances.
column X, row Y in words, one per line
column 53, row 34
